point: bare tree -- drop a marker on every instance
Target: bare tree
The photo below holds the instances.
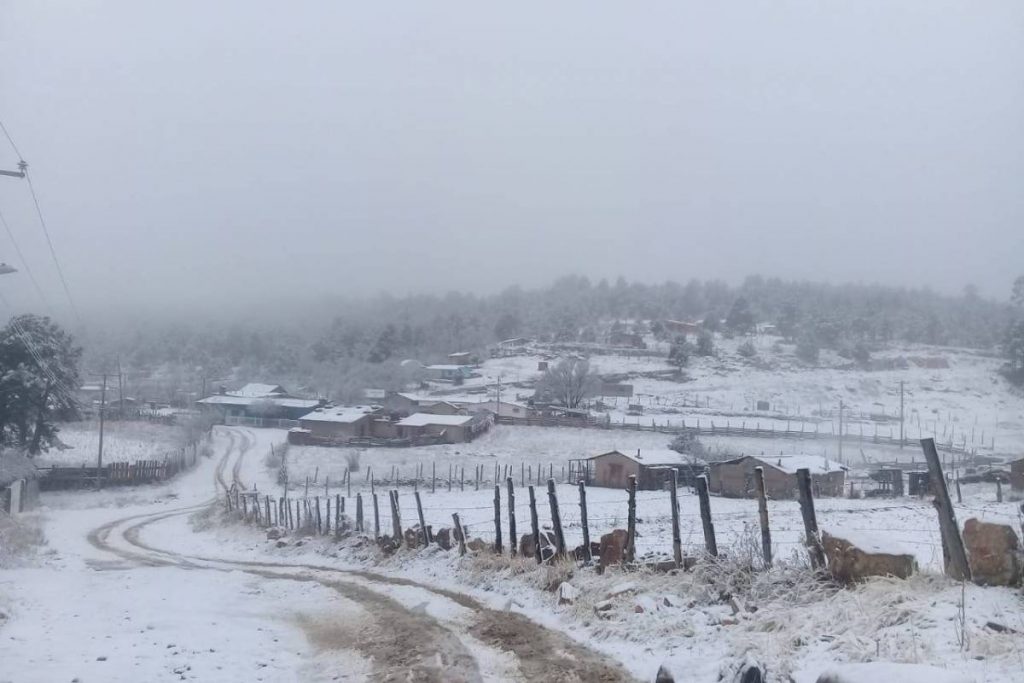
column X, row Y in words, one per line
column 569, row 382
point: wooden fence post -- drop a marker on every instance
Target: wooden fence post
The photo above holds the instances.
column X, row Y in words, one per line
column 803, row 480
column 497, row 518
column 630, row 551
column 267, row 502
column 433, row 477
column 956, row 564
column 587, row 555
column 459, row 533
column 534, row 526
column 337, row 512
column 677, row 540
column 376, row 518
column 999, row 490
column 396, row 519
column 359, row 512
column 319, row 520
column 512, row 538
column 423, row 522
column 710, row 542
column 762, row 512
column 556, row 518
column 327, row 515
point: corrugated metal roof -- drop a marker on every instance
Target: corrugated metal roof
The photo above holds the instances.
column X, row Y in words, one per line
column 424, row 419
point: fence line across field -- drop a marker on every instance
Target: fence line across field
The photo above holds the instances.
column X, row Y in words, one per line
column 335, row 515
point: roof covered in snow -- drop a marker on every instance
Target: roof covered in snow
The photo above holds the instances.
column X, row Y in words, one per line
column 343, row 414
column 791, row 463
column 220, row 399
column 257, row 390
column 223, row 400
column 656, row 456
column 424, row 419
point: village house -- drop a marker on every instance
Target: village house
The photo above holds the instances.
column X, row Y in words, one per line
column 447, row 373
column 339, row 424
column 652, row 468
column 460, row 358
column 735, row 478
column 446, row 428
column 257, row 405
column 680, row 328
column 499, row 408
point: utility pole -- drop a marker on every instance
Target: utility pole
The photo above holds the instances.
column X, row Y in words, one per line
column 120, row 390
column 841, row 406
column 103, row 410
column 901, row 415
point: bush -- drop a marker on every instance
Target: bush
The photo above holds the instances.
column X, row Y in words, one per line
column 688, row 443
column 705, row 344
column 747, row 350
column 807, row 349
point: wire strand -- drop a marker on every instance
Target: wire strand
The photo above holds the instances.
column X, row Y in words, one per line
column 24, row 261
column 53, row 251
column 10, row 140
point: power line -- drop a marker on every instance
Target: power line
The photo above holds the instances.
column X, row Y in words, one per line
column 42, row 222
column 53, row 252
column 10, row 140
column 24, row 261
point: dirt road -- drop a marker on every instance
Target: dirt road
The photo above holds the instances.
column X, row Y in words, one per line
column 410, row 631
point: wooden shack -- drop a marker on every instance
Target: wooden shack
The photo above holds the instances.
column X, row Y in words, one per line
column 652, row 468
column 1017, row 475
column 735, row 478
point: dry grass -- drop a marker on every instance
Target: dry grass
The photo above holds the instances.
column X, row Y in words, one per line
column 21, row 538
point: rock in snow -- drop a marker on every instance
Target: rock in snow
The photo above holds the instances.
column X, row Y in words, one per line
column 993, row 552
column 567, row 594
column 851, row 558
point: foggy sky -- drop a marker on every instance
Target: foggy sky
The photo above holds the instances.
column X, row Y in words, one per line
column 218, row 151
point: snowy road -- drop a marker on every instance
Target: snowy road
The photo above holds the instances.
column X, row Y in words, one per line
column 134, row 593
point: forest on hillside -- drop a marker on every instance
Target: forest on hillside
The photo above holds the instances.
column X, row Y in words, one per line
column 355, row 343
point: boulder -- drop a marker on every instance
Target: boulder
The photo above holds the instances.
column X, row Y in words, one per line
column 993, row 552
column 273, row 534
column 664, row 675
column 852, row 560
column 644, row 604
column 547, row 545
column 476, row 545
column 579, row 552
column 443, row 538
column 412, row 538
column 613, row 545
column 567, row 593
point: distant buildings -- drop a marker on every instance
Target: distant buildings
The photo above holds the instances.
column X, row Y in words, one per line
column 257, row 403
column 736, row 478
column 652, row 468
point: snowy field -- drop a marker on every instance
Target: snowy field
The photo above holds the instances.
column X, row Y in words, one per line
column 122, row 442
column 968, row 399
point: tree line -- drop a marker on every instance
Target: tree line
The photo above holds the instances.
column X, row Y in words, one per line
column 362, row 342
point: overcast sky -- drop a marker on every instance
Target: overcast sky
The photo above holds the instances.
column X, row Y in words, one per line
column 190, row 151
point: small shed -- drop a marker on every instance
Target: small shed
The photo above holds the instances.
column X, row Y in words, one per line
column 1017, row 475
column 19, row 482
column 341, row 423
column 652, row 468
column 447, row 428
column 735, row 478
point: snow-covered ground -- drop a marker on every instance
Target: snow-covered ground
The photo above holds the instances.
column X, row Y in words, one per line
column 968, row 399
column 126, row 441
column 173, row 592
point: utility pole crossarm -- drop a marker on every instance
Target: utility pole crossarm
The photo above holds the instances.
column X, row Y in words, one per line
column 20, row 173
